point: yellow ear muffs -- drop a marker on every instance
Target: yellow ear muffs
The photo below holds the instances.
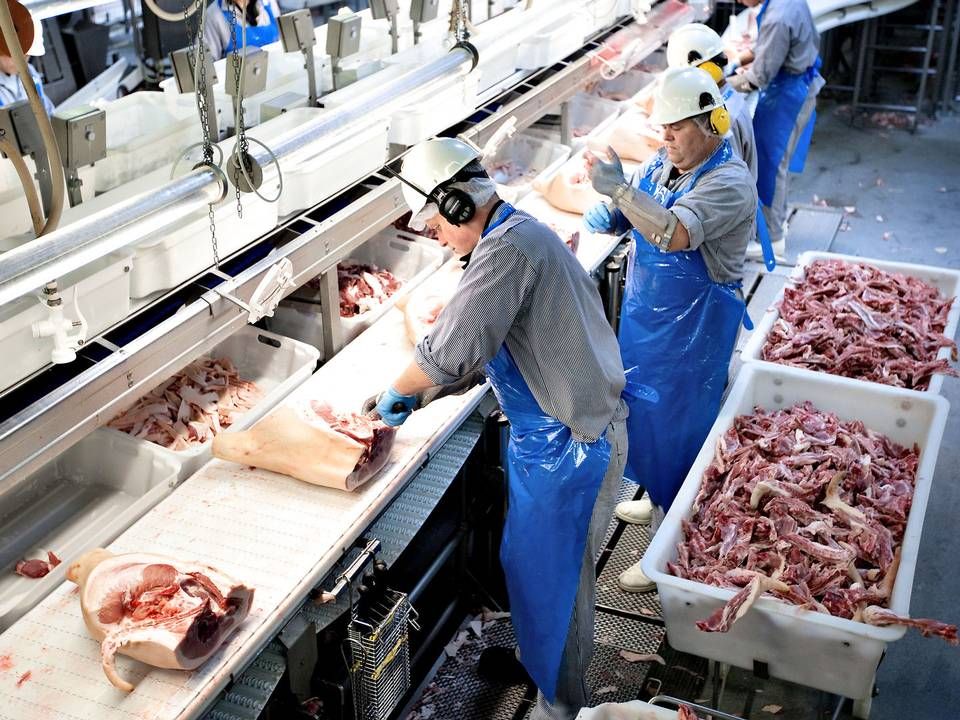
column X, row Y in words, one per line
column 715, row 71
column 720, row 120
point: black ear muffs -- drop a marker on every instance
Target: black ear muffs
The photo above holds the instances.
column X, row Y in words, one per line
column 455, row 205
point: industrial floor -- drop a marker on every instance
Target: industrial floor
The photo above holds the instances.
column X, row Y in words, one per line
column 872, row 192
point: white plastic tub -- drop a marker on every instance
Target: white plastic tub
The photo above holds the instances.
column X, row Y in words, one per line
column 533, row 157
column 814, row 649
column 411, row 260
column 83, row 499
column 445, row 102
column 624, row 88
column 589, row 116
column 946, row 281
column 13, row 203
column 145, row 130
column 550, row 45
column 635, row 710
column 102, row 289
column 275, row 363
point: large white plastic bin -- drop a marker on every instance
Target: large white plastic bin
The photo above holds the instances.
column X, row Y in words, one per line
column 411, row 260
column 445, row 102
column 275, row 363
column 533, row 156
column 145, row 130
column 625, row 87
column 806, row 647
column 13, row 203
column 550, row 45
column 83, row 499
column 636, row 710
column 102, row 289
column 946, row 281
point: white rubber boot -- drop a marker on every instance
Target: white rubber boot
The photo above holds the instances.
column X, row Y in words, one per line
column 634, row 580
column 635, row 512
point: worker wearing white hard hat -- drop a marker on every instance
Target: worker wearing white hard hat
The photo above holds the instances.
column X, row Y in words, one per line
column 785, row 68
column 692, row 209
column 223, row 26
column 11, row 87
column 528, row 315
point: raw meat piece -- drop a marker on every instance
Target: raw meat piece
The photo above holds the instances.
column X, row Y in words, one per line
column 685, row 712
column 631, row 137
column 570, row 239
column 160, row 611
column 570, row 189
column 423, row 305
column 928, row 628
column 858, row 321
column 35, row 568
column 363, row 287
column 317, row 446
column 194, row 405
column 804, row 507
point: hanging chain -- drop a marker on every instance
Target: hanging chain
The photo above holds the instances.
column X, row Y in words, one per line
column 200, row 90
column 242, row 146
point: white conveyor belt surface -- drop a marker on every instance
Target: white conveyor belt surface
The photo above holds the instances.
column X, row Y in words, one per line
column 277, row 534
column 272, row 532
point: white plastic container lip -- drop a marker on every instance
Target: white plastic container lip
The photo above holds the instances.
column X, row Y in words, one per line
column 904, row 416
column 82, row 499
column 530, row 153
column 945, row 280
column 277, row 364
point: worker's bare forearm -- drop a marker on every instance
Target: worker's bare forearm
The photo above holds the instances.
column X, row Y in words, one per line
column 412, row 381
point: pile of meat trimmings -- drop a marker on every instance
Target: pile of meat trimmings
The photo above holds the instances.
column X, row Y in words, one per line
column 808, row 509
column 858, row 321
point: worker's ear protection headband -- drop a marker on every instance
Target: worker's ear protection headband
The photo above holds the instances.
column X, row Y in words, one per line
column 456, row 206
column 719, row 117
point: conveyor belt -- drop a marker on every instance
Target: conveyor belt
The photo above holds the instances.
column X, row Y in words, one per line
column 275, row 533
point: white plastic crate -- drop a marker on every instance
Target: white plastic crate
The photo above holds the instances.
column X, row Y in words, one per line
column 550, row 45
column 624, row 88
column 589, row 116
column 411, row 260
column 946, row 281
column 443, row 103
column 13, row 203
column 145, row 130
column 533, row 157
column 103, row 294
column 806, row 647
column 275, row 363
column 83, row 499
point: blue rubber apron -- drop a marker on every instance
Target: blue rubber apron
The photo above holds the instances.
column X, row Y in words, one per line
column 257, row 35
column 777, row 110
column 677, row 331
column 553, row 481
column 735, row 102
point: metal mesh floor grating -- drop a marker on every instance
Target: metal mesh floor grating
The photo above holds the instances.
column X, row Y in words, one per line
column 629, row 549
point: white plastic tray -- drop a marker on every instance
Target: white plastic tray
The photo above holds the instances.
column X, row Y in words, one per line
column 814, row 649
column 81, row 500
column 103, row 294
column 541, row 157
column 946, row 281
column 275, row 363
column 636, row 710
column 411, row 260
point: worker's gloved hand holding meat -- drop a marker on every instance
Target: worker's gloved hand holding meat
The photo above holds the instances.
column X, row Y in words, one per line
column 160, row 611
column 394, row 408
column 606, row 177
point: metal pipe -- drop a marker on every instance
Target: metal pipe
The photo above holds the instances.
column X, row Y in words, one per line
column 436, row 566
column 54, row 255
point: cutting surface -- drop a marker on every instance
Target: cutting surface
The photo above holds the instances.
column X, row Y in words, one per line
column 274, row 533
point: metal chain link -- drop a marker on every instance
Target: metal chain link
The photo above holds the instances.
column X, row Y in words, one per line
column 200, row 90
column 241, row 145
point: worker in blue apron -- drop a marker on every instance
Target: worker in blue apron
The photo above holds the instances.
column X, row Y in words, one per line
column 698, row 45
column 693, row 212
column 785, row 69
column 223, row 28
column 528, row 313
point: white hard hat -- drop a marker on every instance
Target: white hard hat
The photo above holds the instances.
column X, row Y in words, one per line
column 682, row 93
column 693, row 44
column 431, row 163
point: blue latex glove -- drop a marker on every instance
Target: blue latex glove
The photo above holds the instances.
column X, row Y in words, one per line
column 599, row 218
column 607, row 176
column 394, row 408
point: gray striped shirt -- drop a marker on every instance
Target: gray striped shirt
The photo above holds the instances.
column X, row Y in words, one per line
column 524, row 287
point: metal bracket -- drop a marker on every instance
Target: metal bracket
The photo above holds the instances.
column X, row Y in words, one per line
column 299, row 639
column 264, row 300
column 348, row 576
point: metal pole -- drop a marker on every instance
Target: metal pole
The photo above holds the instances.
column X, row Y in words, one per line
column 858, row 74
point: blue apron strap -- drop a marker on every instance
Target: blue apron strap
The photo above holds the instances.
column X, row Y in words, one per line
column 763, row 235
